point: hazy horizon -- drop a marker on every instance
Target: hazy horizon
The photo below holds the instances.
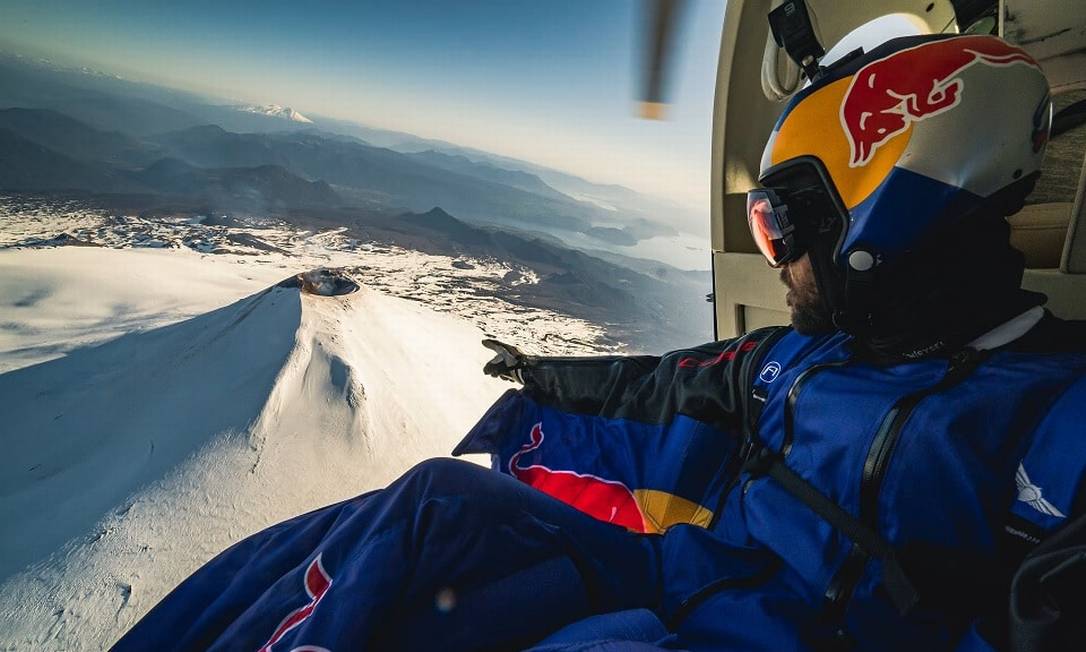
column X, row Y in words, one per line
column 551, row 84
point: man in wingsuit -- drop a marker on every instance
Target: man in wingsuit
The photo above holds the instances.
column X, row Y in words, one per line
column 869, row 478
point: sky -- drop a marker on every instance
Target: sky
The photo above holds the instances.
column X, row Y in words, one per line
column 549, row 81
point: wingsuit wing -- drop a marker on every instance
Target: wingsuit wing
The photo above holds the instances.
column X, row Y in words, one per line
column 639, row 441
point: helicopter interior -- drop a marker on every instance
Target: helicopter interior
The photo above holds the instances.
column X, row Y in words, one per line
column 755, row 76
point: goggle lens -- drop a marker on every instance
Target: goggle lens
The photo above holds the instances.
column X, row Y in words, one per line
column 770, row 227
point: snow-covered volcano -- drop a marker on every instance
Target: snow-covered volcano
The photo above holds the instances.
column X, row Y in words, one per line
column 276, row 111
column 131, row 462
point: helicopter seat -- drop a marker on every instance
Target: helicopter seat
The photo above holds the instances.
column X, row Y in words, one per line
column 1039, row 232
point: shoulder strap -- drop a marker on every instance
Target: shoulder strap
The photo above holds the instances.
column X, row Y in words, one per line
column 741, row 383
column 751, row 407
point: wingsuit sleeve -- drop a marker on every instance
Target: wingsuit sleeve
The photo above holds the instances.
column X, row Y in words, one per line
column 698, row 382
column 639, row 441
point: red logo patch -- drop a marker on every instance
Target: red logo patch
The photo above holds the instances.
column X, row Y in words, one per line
column 317, row 583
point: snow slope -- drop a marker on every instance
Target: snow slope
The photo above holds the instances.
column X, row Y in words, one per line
column 53, row 300
column 130, row 462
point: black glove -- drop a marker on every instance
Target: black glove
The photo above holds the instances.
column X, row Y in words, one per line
column 508, row 362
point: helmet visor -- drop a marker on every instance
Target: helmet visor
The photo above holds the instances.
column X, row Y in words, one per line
column 767, row 218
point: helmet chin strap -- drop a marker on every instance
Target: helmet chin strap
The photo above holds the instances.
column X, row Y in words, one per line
column 858, row 314
column 849, row 300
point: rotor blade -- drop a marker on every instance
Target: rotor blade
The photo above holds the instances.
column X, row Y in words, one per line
column 660, row 28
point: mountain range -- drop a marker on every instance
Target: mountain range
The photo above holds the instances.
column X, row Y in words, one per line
column 429, row 195
column 364, row 175
column 111, row 103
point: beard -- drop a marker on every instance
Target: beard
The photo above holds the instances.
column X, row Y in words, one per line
column 810, row 316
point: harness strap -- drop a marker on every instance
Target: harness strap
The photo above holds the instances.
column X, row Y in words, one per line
column 752, row 409
column 742, row 383
column 902, row 593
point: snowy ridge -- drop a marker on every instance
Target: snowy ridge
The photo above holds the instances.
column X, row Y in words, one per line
column 156, row 450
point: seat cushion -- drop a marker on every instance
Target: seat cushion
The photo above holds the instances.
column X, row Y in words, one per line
column 1039, row 231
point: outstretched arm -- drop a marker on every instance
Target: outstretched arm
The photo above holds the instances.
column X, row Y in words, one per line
column 698, row 381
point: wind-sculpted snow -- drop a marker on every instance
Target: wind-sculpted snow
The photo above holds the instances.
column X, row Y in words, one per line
column 147, row 399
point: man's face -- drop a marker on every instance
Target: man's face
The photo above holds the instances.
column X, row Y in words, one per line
column 809, row 313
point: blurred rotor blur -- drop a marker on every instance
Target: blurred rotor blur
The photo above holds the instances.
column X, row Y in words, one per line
column 659, row 39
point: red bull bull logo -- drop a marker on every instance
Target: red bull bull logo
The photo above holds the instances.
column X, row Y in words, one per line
column 317, row 582
column 888, row 95
column 606, row 500
column 638, row 510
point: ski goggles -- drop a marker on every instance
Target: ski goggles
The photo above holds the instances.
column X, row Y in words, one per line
column 773, row 232
column 798, row 204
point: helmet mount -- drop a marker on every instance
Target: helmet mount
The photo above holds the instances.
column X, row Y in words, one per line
column 793, row 31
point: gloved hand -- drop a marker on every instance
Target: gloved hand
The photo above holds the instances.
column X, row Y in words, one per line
column 508, row 362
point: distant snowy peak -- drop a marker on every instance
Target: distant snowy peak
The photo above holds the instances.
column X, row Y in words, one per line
column 276, row 111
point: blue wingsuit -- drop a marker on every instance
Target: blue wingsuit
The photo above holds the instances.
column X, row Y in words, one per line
column 772, row 492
